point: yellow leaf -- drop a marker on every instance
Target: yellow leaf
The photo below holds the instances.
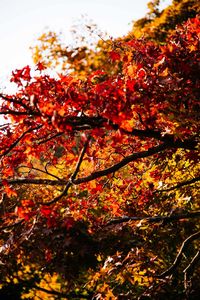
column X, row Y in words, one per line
column 164, row 73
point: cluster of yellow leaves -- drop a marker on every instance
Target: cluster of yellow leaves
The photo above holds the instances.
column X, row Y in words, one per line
column 50, row 283
column 49, row 46
column 159, row 26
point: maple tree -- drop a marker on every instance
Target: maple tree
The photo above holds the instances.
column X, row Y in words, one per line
column 99, row 176
column 158, row 24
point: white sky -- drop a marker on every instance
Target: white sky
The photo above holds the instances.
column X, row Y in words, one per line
column 23, row 21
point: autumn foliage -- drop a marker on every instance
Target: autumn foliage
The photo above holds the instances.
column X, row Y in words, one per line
column 157, row 25
column 99, row 176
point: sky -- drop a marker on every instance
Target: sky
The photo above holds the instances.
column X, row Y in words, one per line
column 23, row 21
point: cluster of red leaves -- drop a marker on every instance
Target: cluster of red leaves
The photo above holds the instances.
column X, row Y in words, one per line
column 26, row 210
column 21, row 75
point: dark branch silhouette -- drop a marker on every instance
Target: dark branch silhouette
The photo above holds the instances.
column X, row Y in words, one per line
column 73, row 176
column 18, row 140
column 155, row 219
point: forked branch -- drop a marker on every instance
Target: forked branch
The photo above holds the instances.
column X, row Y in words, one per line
column 188, row 271
column 179, row 256
column 14, row 144
column 73, row 176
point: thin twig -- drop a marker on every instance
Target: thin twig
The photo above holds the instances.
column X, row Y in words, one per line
column 50, row 174
column 18, row 140
column 188, row 271
column 80, row 160
column 50, row 138
column 11, row 225
column 62, row 295
column 179, row 185
column 179, row 256
column 15, row 101
column 39, row 170
column 72, row 177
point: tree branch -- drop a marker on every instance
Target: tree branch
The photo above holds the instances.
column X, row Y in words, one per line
column 39, row 170
column 99, row 122
column 94, row 175
column 15, row 101
column 155, row 219
column 18, row 140
column 20, row 113
column 122, row 163
column 179, row 185
column 73, row 176
column 131, row 158
column 179, row 256
column 50, row 292
column 80, row 160
column 61, row 182
column 11, row 225
column 147, row 133
column 62, row 295
column 50, row 138
column 41, row 181
column 188, row 271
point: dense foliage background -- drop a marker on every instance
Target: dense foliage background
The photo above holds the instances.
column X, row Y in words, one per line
column 99, row 166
